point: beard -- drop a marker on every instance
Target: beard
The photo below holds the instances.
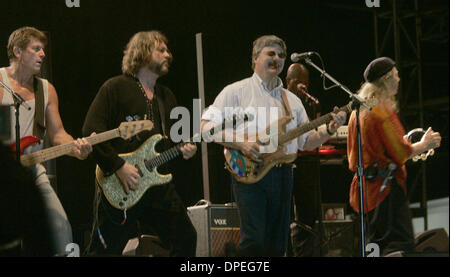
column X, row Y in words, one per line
column 159, row 68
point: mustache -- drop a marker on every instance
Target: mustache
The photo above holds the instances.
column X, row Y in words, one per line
column 273, row 63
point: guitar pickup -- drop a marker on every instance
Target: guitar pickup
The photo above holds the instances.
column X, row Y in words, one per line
column 139, row 170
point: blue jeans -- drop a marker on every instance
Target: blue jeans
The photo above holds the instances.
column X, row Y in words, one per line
column 59, row 223
column 264, row 210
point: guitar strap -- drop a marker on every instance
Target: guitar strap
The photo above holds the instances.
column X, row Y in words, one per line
column 286, row 103
column 39, row 113
column 162, row 110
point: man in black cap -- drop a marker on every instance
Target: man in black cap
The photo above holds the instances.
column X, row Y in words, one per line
column 385, row 152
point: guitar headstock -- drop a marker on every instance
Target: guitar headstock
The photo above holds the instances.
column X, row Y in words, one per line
column 132, row 128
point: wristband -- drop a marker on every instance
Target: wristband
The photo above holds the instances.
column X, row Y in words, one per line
column 328, row 131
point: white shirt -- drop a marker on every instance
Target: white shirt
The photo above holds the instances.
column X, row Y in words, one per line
column 252, row 96
column 26, row 119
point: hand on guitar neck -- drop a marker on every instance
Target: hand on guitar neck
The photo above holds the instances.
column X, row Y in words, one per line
column 81, row 148
column 188, row 150
column 339, row 118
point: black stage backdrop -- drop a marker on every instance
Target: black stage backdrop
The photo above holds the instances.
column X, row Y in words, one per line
column 87, row 44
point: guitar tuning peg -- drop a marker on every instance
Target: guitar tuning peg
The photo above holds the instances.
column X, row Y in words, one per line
column 431, row 152
column 415, row 158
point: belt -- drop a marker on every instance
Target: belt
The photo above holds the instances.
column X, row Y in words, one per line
column 372, row 171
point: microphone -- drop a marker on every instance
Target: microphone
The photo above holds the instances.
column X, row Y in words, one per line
column 304, row 90
column 295, row 57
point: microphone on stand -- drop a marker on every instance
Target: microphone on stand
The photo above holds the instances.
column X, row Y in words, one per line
column 17, row 98
column 303, row 88
column 295, row 57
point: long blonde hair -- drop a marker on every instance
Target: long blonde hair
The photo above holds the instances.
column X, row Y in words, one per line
column 378, row 90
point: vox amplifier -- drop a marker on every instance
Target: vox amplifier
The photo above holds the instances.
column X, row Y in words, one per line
column 217, row 227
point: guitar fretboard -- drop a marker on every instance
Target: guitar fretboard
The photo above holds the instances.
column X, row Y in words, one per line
column 63, row 149
column 175, row 152
column 163, row 157
column 300, row 130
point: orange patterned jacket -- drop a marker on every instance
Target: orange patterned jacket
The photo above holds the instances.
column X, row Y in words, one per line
column 382, row 143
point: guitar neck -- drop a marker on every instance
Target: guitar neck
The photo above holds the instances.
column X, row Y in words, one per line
column 64, row 149
column 174, row 152
column 165, row 157
column 302, row 129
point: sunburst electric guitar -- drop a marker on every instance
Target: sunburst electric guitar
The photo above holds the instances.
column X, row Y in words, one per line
column 247, row 171
column 126, row 130
column 147, row 161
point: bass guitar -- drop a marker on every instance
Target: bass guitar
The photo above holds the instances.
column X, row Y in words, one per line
column 126, row 130
column 147, row 161
column 248, row 171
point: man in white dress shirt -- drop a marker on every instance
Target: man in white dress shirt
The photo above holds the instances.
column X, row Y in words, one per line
column 264, row 207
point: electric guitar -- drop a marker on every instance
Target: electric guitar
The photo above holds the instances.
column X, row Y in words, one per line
column 147, row 161
column 248, row 171
column 126, row 130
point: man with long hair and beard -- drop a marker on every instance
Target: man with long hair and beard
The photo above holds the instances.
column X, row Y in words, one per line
column 136, row 95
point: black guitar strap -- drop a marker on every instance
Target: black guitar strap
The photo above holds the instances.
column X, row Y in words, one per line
column 39, row 113
column 162, row 111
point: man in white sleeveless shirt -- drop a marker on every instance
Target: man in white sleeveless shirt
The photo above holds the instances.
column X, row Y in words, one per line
column 26, row 55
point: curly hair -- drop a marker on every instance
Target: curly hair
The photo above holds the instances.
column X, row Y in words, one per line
column 21, row 38
column 138, row 51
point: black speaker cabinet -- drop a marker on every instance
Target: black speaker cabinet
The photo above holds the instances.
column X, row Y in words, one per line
column 217, row 229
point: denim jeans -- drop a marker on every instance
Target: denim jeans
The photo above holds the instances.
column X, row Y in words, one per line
column 60, row 228
column 264, row 210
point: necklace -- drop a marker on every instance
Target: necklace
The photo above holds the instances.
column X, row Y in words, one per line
column 149, row 109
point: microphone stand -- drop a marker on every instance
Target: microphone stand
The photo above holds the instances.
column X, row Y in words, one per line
column 18, row 100
column 318, row 189
column 356, row 103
